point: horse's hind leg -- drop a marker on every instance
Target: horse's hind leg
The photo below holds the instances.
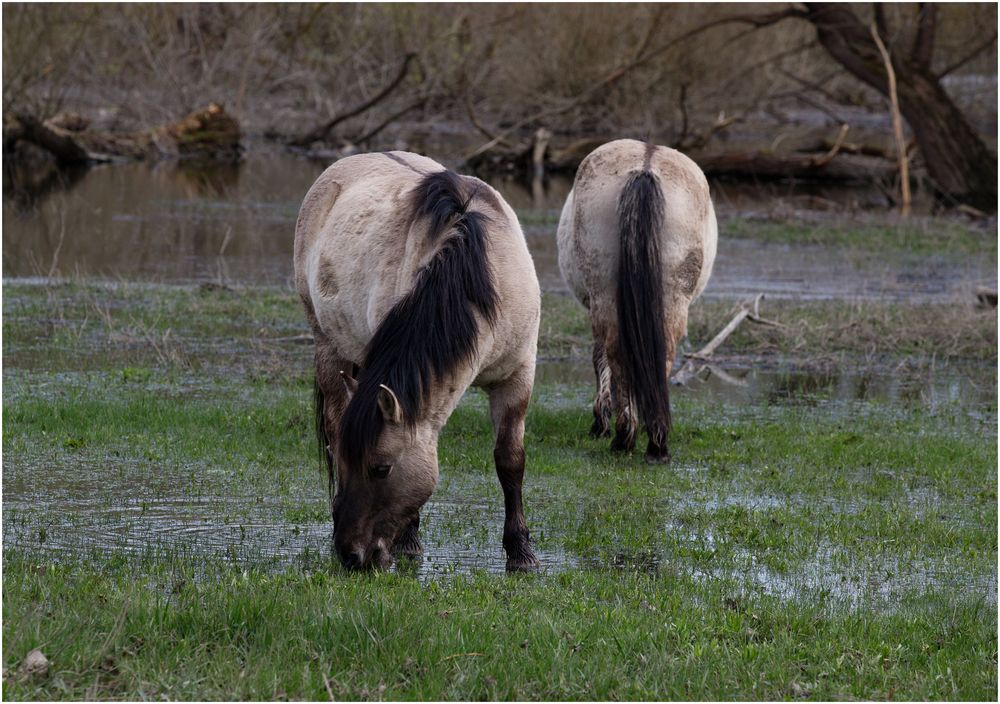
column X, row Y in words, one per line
column 508, row 407
column 602, row 401
column 626, row 423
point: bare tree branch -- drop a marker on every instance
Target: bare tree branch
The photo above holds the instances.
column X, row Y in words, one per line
column 756, row 21
column 881, row 23
column 389, row 120
column 897, row 124
column 323, row 130
column 979, row 49
column 815, row 86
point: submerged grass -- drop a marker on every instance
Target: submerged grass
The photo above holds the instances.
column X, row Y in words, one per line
column 166, row 527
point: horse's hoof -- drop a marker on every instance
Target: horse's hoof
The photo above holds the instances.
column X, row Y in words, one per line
column 619, row 445
column 523, row 562
column 657, row 455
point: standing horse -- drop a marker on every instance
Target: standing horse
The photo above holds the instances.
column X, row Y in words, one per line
column 418, row 282
column 637, row 239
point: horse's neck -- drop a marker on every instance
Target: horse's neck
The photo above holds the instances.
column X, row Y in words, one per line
column 444, row 397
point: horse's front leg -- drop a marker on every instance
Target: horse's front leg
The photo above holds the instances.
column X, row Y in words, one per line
column 508, row 406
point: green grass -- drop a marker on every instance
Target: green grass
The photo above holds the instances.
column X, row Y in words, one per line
column 918, row 236
column 155, row 631
column 166, row 528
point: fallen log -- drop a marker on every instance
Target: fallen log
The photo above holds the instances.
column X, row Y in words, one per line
column 768, row 165
column 830, row 162
column 206, row 133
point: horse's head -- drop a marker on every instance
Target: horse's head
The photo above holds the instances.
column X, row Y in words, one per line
column 382, row 486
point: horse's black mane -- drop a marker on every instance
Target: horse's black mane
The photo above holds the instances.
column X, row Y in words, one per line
column 432, row 329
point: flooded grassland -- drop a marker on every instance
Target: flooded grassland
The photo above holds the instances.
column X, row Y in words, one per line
column 166, row 527
column 827, row 528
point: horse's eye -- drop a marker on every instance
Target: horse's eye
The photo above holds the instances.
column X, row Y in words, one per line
column 381, row 471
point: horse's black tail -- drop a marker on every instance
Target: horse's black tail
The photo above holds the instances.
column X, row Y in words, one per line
column 641, row 337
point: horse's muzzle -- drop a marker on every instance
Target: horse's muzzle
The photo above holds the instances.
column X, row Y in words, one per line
column 357, row 558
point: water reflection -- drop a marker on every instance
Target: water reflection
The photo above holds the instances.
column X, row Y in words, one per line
column 740, row 385
column 234, row 223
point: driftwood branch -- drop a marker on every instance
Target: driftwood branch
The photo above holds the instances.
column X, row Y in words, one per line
column 748, row 311
column 321, row 132
column 835, row 149
column 209, row 132
column 61, row 144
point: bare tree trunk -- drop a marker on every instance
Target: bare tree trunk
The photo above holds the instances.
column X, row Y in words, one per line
column 957, row 160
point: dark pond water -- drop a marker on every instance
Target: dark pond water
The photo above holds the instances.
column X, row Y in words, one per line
column 184, row 222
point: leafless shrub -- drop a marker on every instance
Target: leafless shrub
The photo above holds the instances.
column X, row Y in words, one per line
column 284, row 68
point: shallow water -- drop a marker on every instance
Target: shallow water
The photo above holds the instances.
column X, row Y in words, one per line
column 67, row 512
column 234, row 223
column 968, row 388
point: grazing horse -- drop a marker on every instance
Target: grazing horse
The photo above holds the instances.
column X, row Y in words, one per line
column 418, row 282
column 637, row 238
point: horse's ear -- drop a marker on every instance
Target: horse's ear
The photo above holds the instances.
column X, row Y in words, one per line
column 389, row 405
column 350, row 384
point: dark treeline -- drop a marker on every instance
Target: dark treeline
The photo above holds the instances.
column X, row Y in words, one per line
column 315, row 74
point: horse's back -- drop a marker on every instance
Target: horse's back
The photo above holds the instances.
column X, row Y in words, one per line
column 359, row 249
column 350, row 244
column 589, row 247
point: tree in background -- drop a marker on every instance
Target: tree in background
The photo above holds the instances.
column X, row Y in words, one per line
column 957, row 160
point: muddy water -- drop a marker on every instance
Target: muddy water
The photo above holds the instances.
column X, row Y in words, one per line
column 234, row 223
